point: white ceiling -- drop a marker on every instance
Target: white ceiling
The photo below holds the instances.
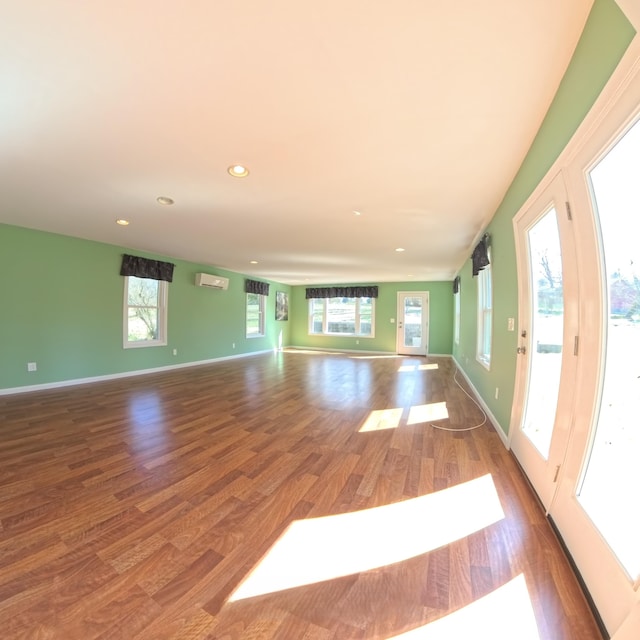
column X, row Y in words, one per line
column 417, row 113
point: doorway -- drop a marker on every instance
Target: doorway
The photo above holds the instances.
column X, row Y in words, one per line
column 412, row 335
column 577, row 394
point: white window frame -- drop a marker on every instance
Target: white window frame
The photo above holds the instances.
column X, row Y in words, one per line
column 261, row 316
column 161, row 310
column 485, row 315
column 325, row 319
column 456, row 316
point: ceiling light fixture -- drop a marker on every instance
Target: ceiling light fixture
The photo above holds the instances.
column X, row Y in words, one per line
column 399, row 249
column 164, row 200
column 122, row 222
column 356, row 213
column 253, row 262
column 238, row 171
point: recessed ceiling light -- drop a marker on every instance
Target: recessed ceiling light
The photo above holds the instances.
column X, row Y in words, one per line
column 399, row 249
column 164, row 200
column 356, row 213
column 238, row 171
column 253, row 262
column 122, row 222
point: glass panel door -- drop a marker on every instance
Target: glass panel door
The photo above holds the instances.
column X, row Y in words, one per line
column 610, row 488
column 413, row 326
column 595, row 507
column 547, row 324
column 547, row 321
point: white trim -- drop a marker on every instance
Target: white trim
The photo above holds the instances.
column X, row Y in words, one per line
column 494, row 421
column 327, row 350
column 162, row 308
column 125, row 374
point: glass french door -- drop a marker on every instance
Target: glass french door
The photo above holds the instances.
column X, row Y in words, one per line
column 547, row 330
column 596, row 507
column 412, row 336
column 575, row 420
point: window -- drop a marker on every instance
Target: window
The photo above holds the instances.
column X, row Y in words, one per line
column 483, row 353
column 342, row 316
column 456, row 317
column 145, row 312
column 255, row 315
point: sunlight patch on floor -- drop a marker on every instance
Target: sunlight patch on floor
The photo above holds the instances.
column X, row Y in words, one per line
column 319, row 549
column 428, row 412
column 418, row 367
column 380, row 357
column 503, row 614
column 381, row 419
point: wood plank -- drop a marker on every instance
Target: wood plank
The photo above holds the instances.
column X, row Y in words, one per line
column 134, row 508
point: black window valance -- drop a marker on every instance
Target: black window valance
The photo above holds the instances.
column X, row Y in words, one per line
column 255, row 286
column 342, row 292
column 146, row 268
column 480, row 256
column 456, row 284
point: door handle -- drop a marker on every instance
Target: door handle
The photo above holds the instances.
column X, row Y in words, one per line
column 521, row 350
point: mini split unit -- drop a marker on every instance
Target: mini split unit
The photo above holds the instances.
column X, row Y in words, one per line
column 211, row 281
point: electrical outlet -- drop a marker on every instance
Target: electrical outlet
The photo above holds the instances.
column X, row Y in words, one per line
column 175, row 352
column 32, row 366
column 233, row 345
column 511, row 324
column 497, row 392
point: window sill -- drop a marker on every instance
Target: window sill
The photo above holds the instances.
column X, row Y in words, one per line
column 144, row 343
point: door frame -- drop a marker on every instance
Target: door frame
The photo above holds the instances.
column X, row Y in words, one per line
column 544, row 473
column 613, row 592
column 615, row 597
column 401, row 349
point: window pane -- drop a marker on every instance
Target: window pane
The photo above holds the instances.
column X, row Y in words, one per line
column 547, row 324
column 484, row 317
column 254, row 315
column 610, row 488
column 412, row 321
column 366, row 316
column 143, row 292
column 341, row 315
column 317, row 311
column 142, row 315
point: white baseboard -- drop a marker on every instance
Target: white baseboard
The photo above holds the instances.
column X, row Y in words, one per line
column 494, row 422
column 125, row 374
column 324, row 350
column 185, row 365
column 365, row 352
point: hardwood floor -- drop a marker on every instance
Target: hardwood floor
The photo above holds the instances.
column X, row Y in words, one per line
column 191, row 504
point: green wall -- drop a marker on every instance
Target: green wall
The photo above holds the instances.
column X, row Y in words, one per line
column 62, row 297
column 605, row 38
column 440, row 319
column 62, row 304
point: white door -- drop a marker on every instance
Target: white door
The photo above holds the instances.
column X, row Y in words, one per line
column 412, row 336
column 583, row 455
column 597, row 506
column 547, row 329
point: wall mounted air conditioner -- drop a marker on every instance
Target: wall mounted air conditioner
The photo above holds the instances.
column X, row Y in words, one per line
column 211, row 281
